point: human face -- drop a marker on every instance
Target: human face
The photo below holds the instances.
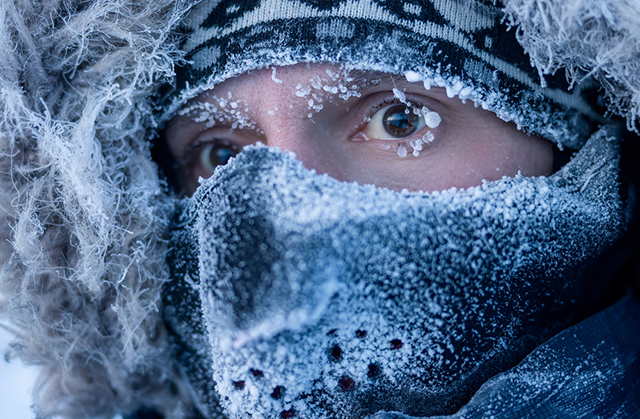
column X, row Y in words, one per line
column 369, row 128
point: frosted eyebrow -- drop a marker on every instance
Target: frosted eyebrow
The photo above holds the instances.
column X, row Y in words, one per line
column 360, row 77
column 363, row 80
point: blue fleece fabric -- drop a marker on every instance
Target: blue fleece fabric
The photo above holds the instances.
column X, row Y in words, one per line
column 591, row 370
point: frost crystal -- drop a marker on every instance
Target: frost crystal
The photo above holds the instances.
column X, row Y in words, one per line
column 273, row 76
column 400, row 95
column 413, row 77
column 402, row 150
column 432, row 119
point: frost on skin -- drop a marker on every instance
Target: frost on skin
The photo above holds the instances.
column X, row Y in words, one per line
column 220, row 109
column 328, row 87
column 327, row 299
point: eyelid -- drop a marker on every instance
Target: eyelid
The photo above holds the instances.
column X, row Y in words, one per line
column 227, row 133
column 190, row 162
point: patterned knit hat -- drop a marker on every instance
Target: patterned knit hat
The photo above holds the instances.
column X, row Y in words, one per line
column 461, row 45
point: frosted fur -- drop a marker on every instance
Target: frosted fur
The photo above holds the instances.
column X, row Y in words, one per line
column 83, row 211
column 600, row 38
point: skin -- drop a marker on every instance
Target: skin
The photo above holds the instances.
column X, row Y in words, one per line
column 470, row 144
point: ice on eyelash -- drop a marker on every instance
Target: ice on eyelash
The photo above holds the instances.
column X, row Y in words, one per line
column 417, row 146
column 400, row 95
column 402, row 150
column 456, row 87
column 432, row 119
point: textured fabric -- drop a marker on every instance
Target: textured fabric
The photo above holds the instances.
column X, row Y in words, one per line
column 591, row 370
column 315, row 298
column 458, row 44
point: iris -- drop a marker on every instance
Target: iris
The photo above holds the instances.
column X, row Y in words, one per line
column 399, row 122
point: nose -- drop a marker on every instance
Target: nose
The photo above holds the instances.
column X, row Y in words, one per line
column 259, row 277
column 312, row 144
column 289, row 124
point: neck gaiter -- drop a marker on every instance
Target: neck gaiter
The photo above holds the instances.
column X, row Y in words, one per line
column 302, row 296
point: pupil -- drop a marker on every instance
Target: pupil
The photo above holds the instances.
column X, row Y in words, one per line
column 221, row 155
column 398, row 123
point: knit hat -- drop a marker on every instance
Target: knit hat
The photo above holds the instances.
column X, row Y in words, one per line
column 462, row 45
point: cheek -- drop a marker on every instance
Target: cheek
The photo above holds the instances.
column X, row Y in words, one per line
column 517, row 152
column 467, row 159
column 491, row 154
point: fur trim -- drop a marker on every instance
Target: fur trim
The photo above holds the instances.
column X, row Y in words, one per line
column 82, row 203
column 599, row 38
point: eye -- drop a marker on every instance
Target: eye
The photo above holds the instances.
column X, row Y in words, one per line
column 217, row 154
column 394, row 122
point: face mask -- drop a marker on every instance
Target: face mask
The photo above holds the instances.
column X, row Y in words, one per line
column 302, row 296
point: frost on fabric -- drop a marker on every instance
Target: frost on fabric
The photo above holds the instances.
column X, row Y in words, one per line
column 81, row 207
column 328, row 299
column 583, row 372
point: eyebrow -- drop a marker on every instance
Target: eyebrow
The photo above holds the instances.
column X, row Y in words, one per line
column 363, row 76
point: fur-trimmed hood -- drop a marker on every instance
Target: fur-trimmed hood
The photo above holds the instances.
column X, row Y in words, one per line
column 85, row 212
column 82, row 247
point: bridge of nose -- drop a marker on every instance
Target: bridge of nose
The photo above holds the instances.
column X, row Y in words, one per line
column 256, row 264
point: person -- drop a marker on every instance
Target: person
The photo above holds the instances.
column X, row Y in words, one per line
column 360, row 208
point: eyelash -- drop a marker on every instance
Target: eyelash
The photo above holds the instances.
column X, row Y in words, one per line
column 385, row 102
column 193, row 154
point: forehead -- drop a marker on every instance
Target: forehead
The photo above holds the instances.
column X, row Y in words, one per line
column 321, row 77
column 308, row 81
